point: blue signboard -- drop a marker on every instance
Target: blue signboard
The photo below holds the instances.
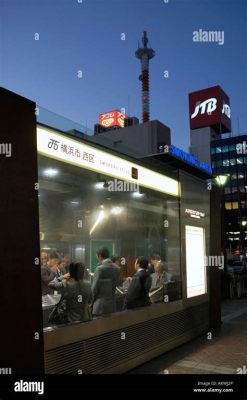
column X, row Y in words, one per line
column 176, row 152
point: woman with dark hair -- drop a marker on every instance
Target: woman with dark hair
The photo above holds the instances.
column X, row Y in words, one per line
column 77, row 292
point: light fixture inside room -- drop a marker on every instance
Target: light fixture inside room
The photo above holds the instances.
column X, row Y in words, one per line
column 51, row 172
column 101, row 216
column 99, row 185
column 137, row 194
column 116, row 210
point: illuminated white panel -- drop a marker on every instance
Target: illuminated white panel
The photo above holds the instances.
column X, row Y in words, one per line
column 195, row 261
column 59, row 147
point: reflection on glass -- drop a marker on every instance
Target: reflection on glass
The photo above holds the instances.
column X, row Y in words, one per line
column 78, row 214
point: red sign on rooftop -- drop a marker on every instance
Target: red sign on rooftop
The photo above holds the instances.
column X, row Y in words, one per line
column 210, row 107
column 112, row 118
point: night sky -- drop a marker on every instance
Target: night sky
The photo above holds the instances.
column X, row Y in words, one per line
column 85, row 35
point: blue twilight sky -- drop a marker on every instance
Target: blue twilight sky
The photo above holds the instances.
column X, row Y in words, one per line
column 86, row 35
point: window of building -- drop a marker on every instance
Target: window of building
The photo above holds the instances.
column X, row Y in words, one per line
column 218, row 150
column 231, row 205
column 232, row 161
column 240, row 160
column 226, row 163
column 81, row 210
column 232, row 147
column 212, row 150
column 219, row 163
column 225, row 149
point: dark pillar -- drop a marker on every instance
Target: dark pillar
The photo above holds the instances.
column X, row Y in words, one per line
column 21, row 345
column 215, row 250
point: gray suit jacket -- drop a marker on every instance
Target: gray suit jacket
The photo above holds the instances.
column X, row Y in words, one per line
column 105, row 280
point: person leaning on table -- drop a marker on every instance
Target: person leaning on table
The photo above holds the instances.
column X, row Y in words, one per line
column 77, row 292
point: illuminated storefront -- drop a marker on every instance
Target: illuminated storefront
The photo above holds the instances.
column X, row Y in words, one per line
column 86, row 196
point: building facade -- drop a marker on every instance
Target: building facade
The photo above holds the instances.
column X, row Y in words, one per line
column 229, row 157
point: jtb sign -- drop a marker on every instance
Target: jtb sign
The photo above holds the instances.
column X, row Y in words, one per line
column 112, row 118
column 210, row 107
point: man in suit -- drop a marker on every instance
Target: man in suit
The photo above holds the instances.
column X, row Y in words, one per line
column 138, row 291
column 105, row 280
column 48, row 273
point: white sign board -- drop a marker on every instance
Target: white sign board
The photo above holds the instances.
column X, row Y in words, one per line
column 195, row 260
column 62, row 148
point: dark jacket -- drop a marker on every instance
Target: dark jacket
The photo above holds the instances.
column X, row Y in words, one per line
column 78, row 295
column 138, row 291
column 105, row 280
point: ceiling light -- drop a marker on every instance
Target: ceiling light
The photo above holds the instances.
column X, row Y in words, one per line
column 116, row 210
column 138, row 194
column 51, row 172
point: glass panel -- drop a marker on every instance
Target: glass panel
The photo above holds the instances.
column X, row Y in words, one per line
column 232, row 147
column 81, row 210
column 228, row 206
column 224, row 149
column 226, row 163
column 235, row 205
column 218, row 149
column 212, row 150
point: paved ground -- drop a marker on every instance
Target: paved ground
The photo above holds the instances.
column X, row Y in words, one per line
column 223, row 354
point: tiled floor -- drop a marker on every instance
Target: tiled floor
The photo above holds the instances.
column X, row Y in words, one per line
column 223, row 354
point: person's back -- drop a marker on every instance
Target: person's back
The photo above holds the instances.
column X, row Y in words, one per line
column 77, row 292
column 78, row 295
column 105, row 280
column 138, row 291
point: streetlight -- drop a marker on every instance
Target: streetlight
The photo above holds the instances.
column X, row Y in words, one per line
column 221, row 180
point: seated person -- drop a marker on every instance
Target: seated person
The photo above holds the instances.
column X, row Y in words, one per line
column 154, row 260
column 161, row 276
column 77, row 292
column 138, row 291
